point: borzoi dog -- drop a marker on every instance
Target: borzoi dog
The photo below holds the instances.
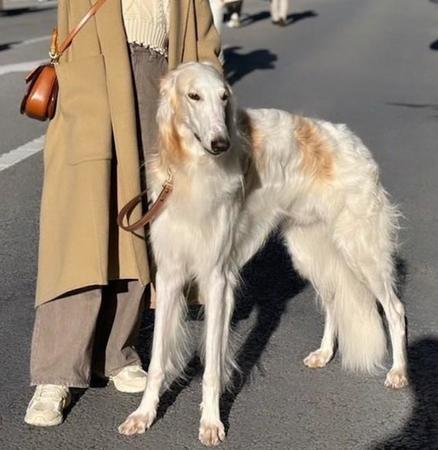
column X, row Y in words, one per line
column 238, row 175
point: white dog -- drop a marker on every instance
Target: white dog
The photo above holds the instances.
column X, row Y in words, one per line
column 238, row 175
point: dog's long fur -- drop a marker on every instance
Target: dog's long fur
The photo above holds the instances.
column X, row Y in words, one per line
column 315, row 181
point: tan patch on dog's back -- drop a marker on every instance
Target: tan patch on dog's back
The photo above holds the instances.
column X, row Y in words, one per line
column 316, row 153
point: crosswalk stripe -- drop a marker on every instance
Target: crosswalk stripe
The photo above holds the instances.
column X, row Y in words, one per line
column 18, row 154
column 21, row 67
column 31, row 41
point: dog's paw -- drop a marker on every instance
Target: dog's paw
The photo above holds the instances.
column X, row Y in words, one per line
column 396, row 378
column 317, row 359
column 211, row 434
column 136, row 423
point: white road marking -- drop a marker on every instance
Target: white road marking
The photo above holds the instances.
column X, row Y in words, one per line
column 30, row 41
column 18, row 154
column 21, row 67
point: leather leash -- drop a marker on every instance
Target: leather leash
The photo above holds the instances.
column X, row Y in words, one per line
column 151, row 213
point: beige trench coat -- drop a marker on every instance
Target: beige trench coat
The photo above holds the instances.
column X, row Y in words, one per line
column 80, row 244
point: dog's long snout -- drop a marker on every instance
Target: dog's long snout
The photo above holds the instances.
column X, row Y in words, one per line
column 220, row 144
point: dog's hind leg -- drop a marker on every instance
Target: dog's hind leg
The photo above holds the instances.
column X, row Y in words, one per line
column 350, row 304
column 369, row 256
column 313, row 259
column 216, row 292
column 395, row 315
column 168, row 318
column 376, row 272
column 319, row 358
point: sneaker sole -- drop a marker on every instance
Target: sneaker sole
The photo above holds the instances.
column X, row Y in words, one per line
column 42, row 423
column 128, row 389
column 54, row 422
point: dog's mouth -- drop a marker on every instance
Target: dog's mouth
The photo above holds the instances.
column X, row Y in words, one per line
column 208, row 150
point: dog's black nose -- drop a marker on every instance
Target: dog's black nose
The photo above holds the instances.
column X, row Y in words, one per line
column 220, row 145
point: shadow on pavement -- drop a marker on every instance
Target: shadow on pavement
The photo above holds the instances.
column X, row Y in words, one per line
column 431, row 106
column 191, row 372
column 263, row 15
column 269, row 283
column 238, row 65
column 253, row 18
column 77, row 393
column 19, row 12
column 8, row 45
column 297, row 17
column 434, row 46
column 421, row 429
column 401, row 270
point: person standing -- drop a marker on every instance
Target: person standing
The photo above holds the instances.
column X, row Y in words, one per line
column 234, row 9
column 279, row 10
column 91, row 274
column 217, row 9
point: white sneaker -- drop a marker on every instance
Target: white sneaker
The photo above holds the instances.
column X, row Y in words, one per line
column 130, row 379
column 47, row 405
column 234, row 21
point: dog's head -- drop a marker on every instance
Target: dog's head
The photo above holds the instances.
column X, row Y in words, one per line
column 195, row 113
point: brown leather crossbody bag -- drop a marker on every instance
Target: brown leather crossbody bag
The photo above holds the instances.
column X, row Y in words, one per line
column 39, row 102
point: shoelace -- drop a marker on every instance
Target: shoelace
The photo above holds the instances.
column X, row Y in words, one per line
column 51, row 391
column 134, row 369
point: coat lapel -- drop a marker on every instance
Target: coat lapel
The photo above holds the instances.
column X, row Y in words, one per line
column 114, row 48
column 179, row 14
column 112, row 38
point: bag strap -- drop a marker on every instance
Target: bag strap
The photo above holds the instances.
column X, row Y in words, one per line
column 151, row 214
column 69, row 39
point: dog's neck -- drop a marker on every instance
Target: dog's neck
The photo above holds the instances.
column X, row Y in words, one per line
column 195, row 174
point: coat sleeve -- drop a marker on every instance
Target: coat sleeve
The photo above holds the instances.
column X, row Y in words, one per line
column 208, row 39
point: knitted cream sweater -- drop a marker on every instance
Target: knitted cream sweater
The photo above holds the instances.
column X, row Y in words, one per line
column 146, row 22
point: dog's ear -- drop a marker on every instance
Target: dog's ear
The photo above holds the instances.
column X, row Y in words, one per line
column 230, row 112
column 166, row 103
column 206, row 62
column 168, row 138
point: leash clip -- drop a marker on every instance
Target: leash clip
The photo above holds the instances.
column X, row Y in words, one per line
column 169, row 178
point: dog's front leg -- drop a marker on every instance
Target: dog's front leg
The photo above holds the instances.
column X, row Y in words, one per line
column 169, row 293
column 211, row 430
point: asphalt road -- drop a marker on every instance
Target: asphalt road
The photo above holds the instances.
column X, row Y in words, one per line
column 370, row 63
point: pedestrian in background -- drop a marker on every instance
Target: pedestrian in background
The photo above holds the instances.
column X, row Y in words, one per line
column 279, row 10
column 234, row 9
column 91, row 274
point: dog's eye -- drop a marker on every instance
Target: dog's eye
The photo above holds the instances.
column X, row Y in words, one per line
column 225, row 96
column 194, row 96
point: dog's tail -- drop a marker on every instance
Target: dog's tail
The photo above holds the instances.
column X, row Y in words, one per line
column 367, row 277
column 361, row 336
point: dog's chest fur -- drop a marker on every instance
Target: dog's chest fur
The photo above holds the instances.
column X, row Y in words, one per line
column 199, row 219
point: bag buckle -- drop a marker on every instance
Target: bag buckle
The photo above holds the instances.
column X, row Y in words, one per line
column 53, row 52
column 54, row 57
